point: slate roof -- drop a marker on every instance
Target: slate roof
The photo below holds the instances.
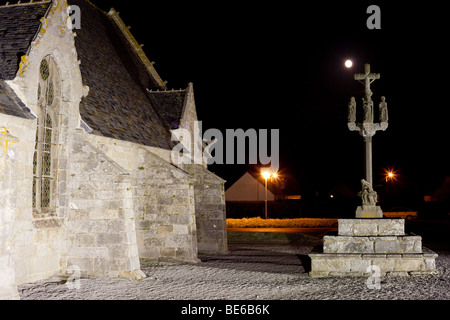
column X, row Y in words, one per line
column 11, row 105
column 170, row 105
column 18, row 26
column 118, row 104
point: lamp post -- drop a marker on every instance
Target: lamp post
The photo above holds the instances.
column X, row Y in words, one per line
column 267, row 175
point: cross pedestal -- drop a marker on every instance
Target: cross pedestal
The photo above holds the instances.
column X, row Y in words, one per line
column 365, row 246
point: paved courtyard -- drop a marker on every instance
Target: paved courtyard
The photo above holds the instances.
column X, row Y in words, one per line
column 249, row 272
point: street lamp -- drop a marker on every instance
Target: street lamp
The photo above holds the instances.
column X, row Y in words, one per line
column 267, row 175
column 391, row 175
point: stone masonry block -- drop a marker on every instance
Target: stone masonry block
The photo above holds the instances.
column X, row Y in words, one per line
column 332, row 264
column 84, row 240
column 168, row 252
column 369, row 212
column 204, row 246
column 387, row 265
column 82, row 263
column 386, row 245
column 359, row 265
column 405, row 265
column 371, row 227
column 165, row 230
column 407, row 244
column 347, row 245
column 391, row 227
column 107, row 239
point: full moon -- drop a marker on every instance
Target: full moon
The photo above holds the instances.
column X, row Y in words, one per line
column 348, row 64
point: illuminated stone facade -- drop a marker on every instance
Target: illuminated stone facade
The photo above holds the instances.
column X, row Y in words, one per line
column 86, row 176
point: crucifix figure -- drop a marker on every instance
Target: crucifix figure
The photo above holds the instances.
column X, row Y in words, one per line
column 367, row 78
column 367, row 129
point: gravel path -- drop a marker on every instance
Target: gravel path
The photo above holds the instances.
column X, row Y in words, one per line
column 249, row 272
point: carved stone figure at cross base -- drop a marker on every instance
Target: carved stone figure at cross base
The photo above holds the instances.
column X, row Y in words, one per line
column 368, row 195
column 369, row 208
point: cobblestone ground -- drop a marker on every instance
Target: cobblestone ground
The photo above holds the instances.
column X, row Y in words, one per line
column 249, row 272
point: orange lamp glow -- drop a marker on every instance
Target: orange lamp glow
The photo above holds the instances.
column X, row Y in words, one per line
column 390, row 175
column 266, row 175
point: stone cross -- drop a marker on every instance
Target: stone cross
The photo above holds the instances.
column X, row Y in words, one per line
column 367, row 78
column 367, row 129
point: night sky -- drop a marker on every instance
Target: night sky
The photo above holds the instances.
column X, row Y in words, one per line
column 280, row 65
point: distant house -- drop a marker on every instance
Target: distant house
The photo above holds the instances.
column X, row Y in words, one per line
column 442, row 193
column 341, row 190
column 245, row 198
column 249, row 189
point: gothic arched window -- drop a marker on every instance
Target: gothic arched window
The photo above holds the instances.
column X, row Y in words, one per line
column 45, row 151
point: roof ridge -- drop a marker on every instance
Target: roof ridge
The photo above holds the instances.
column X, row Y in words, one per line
column 19, row 3
column 38, row 32
column 167, row 90
column 93, row 4
column 114, row 15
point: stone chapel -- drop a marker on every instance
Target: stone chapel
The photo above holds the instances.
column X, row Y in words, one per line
column 86, row 177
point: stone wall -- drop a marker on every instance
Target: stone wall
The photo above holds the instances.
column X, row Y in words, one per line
column 101, row 232
column 163, row 200
column 39, row 241
column 165, row 212
column 37, row 244
column 8, row 170
column 210, row 210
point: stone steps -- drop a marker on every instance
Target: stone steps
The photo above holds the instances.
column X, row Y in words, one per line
column 363, row 246
column 342, row 265
column 385, row 245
